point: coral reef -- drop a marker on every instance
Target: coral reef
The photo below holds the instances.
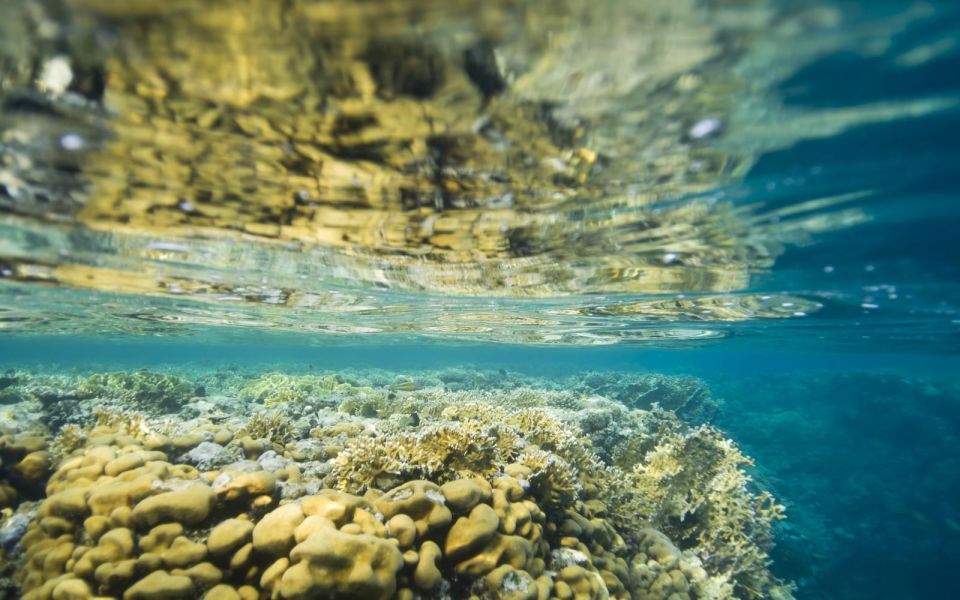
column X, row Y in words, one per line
column 143, row 390
column 687, row 396
column 692, row 488
column 121, row 520
column 274, row 389
column 686, row 482
column 272, row 426
column 278, row 388
column 296, row 486
column 10, row 391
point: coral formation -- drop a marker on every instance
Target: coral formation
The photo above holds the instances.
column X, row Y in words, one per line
column 145, row 391
column 24, row 466
column 519, row 493
column 687, row 396
column 270, row 426
column 10, row 392
column 692, row 488
column 272, row 389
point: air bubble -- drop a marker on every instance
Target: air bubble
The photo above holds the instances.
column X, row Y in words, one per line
column 71, row 142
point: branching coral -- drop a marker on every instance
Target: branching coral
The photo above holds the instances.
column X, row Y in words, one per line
column 440, row 452
column 688, row 396
column 141, row 390
column 130, row 423
column 535, row 426
column 692, row 487
column 123, row 422
column 640, row 432
column 433, row 401
column 481, row 440
column 276, row 388
column 271, row 426
column 688, row 483
column 71, row 438
column 552, row 480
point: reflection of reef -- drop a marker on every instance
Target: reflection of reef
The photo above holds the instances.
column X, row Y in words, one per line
column 513, row 149
column 285, row 121
column 501, row 494
column 300, row 165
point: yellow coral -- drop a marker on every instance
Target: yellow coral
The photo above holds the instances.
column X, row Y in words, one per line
column 533, row 425
column 270, row 426
column 123, row 422
column 692, row 487
column 527, row 508
column 276, row 388
column 439, row 452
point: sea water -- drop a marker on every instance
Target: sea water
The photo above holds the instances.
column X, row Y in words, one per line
column 743, row 214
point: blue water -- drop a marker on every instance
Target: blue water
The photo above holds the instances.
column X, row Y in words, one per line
column 852, row 414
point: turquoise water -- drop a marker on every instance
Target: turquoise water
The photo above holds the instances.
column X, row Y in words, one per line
column 818, row 297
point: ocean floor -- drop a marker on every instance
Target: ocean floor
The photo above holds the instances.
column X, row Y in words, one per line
column 455, row 483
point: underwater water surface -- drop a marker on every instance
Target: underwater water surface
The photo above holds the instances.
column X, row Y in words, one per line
column 674, row 285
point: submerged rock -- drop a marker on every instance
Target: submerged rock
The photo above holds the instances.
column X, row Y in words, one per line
column 13, row 529
column 209, row 455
